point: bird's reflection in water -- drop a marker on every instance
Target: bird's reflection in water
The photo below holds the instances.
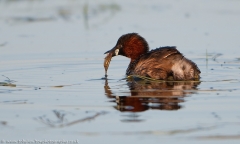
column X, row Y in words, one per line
column 146, row 95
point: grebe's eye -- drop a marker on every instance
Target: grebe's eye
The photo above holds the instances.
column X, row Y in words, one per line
column 120, row 46
column 116, row 52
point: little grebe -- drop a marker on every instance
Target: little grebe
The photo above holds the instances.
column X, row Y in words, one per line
column 164, row 63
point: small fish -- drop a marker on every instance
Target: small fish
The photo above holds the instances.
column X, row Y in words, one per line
column 107, row 62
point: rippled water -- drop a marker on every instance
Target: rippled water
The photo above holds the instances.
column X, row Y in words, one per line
column 52, row 84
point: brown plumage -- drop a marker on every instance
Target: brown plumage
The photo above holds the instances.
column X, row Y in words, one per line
column 164, row 63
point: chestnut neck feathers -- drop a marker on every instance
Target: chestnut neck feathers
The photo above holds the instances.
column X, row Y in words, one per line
column 132, row 46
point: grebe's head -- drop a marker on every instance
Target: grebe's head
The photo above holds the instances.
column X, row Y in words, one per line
column 130, row 45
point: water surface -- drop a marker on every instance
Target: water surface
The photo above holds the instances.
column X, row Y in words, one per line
column 52, row 75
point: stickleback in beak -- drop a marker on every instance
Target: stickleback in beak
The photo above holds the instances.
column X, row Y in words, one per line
column 107, row 61
column 111, row 53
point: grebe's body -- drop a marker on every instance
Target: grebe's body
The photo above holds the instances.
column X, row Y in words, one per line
column 164, row 63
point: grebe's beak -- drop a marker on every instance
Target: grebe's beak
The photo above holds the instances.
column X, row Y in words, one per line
column 107, row 51
column 114, row 51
